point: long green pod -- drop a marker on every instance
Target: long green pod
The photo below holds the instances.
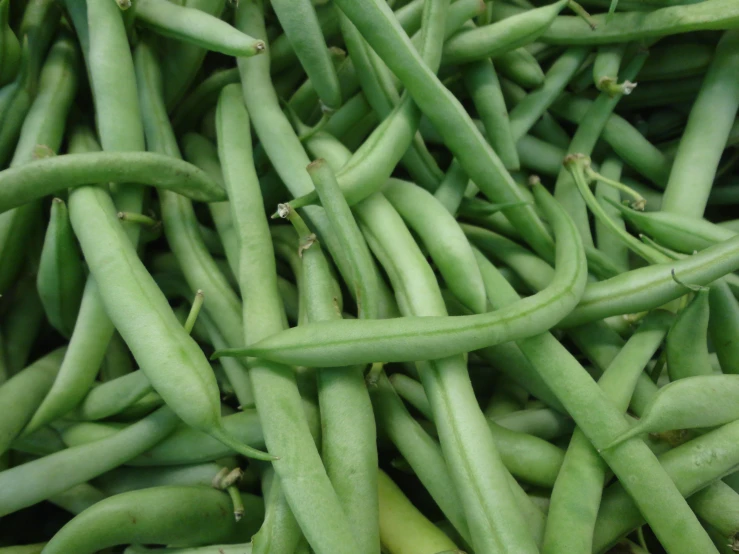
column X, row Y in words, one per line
column 706, row 132
column 718, row 505
column 376, row 22
column 120, row 273
column 637, row 25
column 443, row 238
column 125, row 479
column 78, row 498
column 61, row 277
column 32, row 482
column 21, row 394
column 649, row 287
column 50, row 175
column 691, row 466
column 681, row 405
column 303, row 477
column 160, row 515
column 684, row 234
column 348, row 435
column 687, row 341
column 490, row 41
column 196, row 27
column 245, row 548
column 410, row 339
column 723, row 326
column 606, row 240
column 279, row 531
column 300, row 24
column 577, row 492
column 364, row 279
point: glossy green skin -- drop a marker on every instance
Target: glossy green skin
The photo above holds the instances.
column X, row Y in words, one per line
column 22, row 393
column 10, row 48
column 32, row 482
column 300, row 24
column 190, row 25
column 647, row 288
column 706, row 132
column 61, row 278
column 691, row 466
column 303, row 478
column 723, row 326
column 687, row 341
column 160, row 515
column 50, row 175
column 376, row 22
column 497, row 38
column 417, row 338
column 577, row 492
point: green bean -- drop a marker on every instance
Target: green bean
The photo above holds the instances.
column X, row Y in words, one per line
column 628, row 26
column 481, row 81
column 350, row 114
column 652, row 94
column 245, row 548
column 676, row 60
column 204, row 96
column 687, row 341
column 451, row 190
column 327, row 344
column 364, row 279
column 402, row 527
column 722, row 325
column 33, row 180
column 125, row 479
column 577, row 492
column 21, row 394
column 607, row 65
column 692, row 466
column 60, row 278
column 279, row 532
column 300, row 24
column 164, row 515
column 526, row 112
column 34, row 481
column 117, row 361
column 303, row 477
column 521, row 68
column 498, row 38
column 718, row 505
column 606, row 240
column 706, row 132
column 10, row 48
column 26, row 549
column 681, row 405
column 646, row 288
column 443, row 238
column 196, row 27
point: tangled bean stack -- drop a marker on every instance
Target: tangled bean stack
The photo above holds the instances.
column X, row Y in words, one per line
column 369, row 276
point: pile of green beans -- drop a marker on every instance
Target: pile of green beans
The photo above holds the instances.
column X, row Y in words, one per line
column 369, row 276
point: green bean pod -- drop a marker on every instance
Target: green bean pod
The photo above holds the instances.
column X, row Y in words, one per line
column 125, row 479
column 521, row 68
column 723, row 325
column 681, row 405
column 492, row 40
column 78, row 498
column 649, row 287
column 10, row 48
column 160, row 515
column 60, row 277
column 21, row 394
column 32, row 482
column 332, row 344
column 300, row 24
column 21, row 324
column 196, row 27
column 718, row 505
column 112, row 397
column 687, row 341
column 245, row 548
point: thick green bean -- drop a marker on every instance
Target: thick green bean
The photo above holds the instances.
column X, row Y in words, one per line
column 723, row 326
column 687, row 341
